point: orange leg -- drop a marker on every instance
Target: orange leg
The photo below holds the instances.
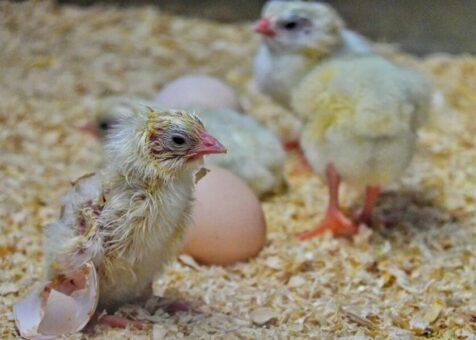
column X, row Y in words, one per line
column 292, row 145
column 335, row 221
column 371, row 195
column 301, row 166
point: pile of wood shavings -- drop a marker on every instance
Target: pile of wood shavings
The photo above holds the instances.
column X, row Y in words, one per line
column 414, row 279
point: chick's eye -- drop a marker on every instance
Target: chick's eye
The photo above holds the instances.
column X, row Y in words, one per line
column 104, row 126
column 178, row 140
column 290, row 25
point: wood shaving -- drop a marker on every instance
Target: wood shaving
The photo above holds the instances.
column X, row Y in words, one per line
column 189, row 261
column 358, row 319
column 261, row 316
column 58, row 61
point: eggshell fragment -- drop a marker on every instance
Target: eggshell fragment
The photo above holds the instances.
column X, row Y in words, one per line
column 228, row 222
column 197, row 92
column 57, row 314
column 62, row 306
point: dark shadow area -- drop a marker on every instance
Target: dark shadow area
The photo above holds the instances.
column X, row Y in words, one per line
column 409, row 211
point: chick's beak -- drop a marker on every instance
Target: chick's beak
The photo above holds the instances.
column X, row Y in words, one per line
column 90, row 128
column 208, row 145
column 263, row 26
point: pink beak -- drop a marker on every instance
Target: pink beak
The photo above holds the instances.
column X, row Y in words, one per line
column 90, row 128
column 263, row 26
column 208, row 145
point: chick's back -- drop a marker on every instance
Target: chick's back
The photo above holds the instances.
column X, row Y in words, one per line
column 367, row 94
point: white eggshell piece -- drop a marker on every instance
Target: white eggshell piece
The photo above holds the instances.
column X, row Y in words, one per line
column 47, row 315
column 29, row 313
column 60, row 314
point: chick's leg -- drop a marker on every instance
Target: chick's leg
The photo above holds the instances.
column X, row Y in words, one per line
column 335, row 221
column 371, row 195
column 292, row 145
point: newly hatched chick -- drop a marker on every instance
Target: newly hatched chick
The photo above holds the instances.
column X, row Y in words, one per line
column 362, row 114
column 297, row 35
column 130, row 218
column 253, row 152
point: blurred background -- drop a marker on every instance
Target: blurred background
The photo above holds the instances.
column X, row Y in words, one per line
column 417, row 26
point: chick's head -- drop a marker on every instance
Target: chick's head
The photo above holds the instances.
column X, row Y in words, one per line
column 158, row 144
column 299, row 27
column 178, row 137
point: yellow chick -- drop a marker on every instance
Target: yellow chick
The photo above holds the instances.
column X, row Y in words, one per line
column 362, row 114
column 297, row 35
column 130, row 218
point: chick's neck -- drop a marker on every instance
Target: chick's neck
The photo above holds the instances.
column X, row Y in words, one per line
column 151, row 185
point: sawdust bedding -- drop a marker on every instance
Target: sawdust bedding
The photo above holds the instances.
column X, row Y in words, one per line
column 415, row 279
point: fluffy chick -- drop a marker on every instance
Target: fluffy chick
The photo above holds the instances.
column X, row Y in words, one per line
column 253, row 152
column 297, row 35
column 130, row 218
column 261, row 167
column 362, row 114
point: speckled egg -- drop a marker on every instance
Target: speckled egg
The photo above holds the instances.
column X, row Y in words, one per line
column 228, row 221
column 198, row 92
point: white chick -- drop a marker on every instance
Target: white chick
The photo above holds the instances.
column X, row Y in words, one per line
column 362, row 114
column 254, row 153
column 130, row 218
column 297, row 35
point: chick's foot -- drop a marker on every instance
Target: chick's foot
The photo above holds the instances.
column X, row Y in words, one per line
column 169, row 305
column 336, row 222
column 117, row 321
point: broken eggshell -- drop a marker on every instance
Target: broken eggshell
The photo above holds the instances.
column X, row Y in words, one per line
column 62, row 306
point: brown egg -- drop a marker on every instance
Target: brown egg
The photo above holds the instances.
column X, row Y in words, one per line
column 228, row 222
column 198, row 92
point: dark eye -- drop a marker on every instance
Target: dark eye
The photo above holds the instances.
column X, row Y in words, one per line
column 290, row 25
column 178, row 140
column 104, row 126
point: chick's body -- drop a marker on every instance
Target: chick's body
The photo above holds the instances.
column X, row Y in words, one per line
column 130, row 218
column 362, row 116
column 253, row 153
